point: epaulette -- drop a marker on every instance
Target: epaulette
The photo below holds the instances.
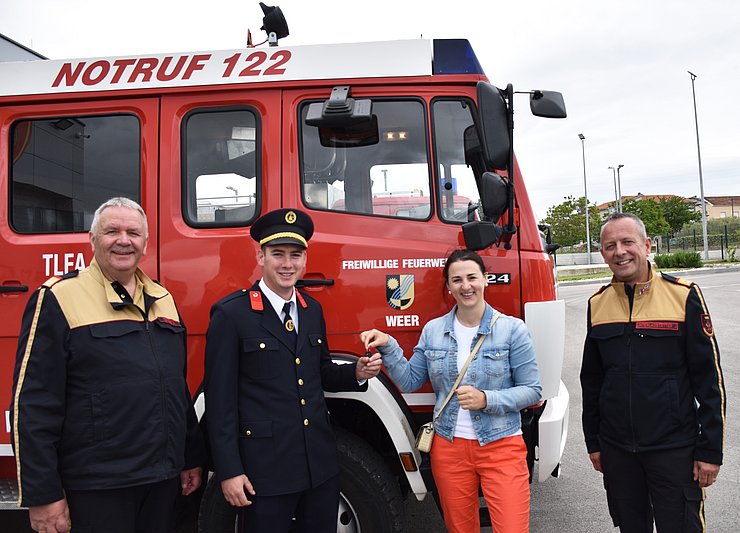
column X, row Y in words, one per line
column 234, row 295
column 677, row 281
column 49, row 283
column 601, row 289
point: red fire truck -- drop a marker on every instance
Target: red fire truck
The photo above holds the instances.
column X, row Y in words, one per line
column 398, row 162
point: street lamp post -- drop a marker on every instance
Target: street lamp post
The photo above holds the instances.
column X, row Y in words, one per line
column 701, row 179
column 619, row 186
column 616, row 198
column 585, row 193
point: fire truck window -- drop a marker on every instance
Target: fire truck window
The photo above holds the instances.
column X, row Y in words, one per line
column 458, row 192
column 390, row 178
column 63, row 168
column 220, row 168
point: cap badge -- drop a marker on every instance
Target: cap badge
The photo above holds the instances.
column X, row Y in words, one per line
column 290, row 217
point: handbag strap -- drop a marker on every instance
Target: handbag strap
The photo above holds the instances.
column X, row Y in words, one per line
column 465, row 367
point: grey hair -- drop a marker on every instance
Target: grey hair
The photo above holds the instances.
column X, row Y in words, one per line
column 118, row 201
column 617, row 216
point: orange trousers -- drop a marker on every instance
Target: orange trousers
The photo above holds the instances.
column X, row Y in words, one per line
column 499, row 468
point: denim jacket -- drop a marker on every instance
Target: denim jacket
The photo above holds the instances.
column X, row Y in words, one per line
column 504, row 368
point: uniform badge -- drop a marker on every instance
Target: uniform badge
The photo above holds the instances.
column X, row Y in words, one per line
column 399, row 290
column 706, row 324
column 290, row 217
column 289, row 325
column 255, row 299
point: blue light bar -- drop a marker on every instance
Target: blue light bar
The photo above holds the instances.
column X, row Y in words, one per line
column 454, row 56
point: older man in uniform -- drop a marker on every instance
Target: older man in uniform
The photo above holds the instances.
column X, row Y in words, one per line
column 653, row 392
column 267, row 365
column 104, row 430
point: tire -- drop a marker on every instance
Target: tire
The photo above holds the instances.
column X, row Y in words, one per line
column 370, row 499
column 216, row 515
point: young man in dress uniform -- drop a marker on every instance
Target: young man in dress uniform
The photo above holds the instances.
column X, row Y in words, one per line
column 267, row 366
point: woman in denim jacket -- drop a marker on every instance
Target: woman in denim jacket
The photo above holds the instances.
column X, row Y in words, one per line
column 478, row 440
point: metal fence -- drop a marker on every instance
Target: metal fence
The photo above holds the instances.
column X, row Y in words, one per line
column 725, row 241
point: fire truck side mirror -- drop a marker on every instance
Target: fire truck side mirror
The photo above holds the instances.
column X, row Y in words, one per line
column 480, row 235
column 493, row 195
column 547, row 104
column 495, row 141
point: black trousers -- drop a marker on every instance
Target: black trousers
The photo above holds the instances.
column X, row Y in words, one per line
column 141, row 509
column 314, row 510
column 655, row 485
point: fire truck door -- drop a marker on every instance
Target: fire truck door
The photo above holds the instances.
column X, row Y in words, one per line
column 65, row 160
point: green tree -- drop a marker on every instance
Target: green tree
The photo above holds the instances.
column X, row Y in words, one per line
column 650, row 213
column 568, row 221
column 677, row 213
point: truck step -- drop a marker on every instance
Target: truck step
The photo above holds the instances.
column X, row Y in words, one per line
column 8, row 494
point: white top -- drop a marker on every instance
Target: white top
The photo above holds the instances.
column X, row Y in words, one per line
column 464, row 335
column 277, row 303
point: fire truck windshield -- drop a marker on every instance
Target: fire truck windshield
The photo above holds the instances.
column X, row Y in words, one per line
column 393, row 177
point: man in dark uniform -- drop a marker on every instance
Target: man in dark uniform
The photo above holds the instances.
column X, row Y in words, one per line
column 104, row 429
column 267, row 365
column 653, row 392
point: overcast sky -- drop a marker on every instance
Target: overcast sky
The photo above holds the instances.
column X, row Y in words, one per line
column 622, row 70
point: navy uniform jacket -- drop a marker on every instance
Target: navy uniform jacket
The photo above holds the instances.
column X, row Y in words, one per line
column 651, row 374
column 265, row 407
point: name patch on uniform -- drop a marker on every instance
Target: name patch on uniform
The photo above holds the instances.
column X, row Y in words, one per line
column 661, row 325
column 706, row 324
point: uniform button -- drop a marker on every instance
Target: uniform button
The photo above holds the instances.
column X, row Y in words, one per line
column 262, row 345
column 303, row 401
column 305, row 421
column 298, row 360
column 319, row 341
column 300, row 382
column 248, row 433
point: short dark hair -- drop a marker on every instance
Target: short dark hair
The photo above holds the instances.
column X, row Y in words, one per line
column 631, row 216
column 463, row 255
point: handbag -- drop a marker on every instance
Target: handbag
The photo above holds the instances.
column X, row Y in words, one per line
column 425, row 435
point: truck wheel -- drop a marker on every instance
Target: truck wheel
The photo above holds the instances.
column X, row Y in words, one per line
column 370, row 499
column 216, row 515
